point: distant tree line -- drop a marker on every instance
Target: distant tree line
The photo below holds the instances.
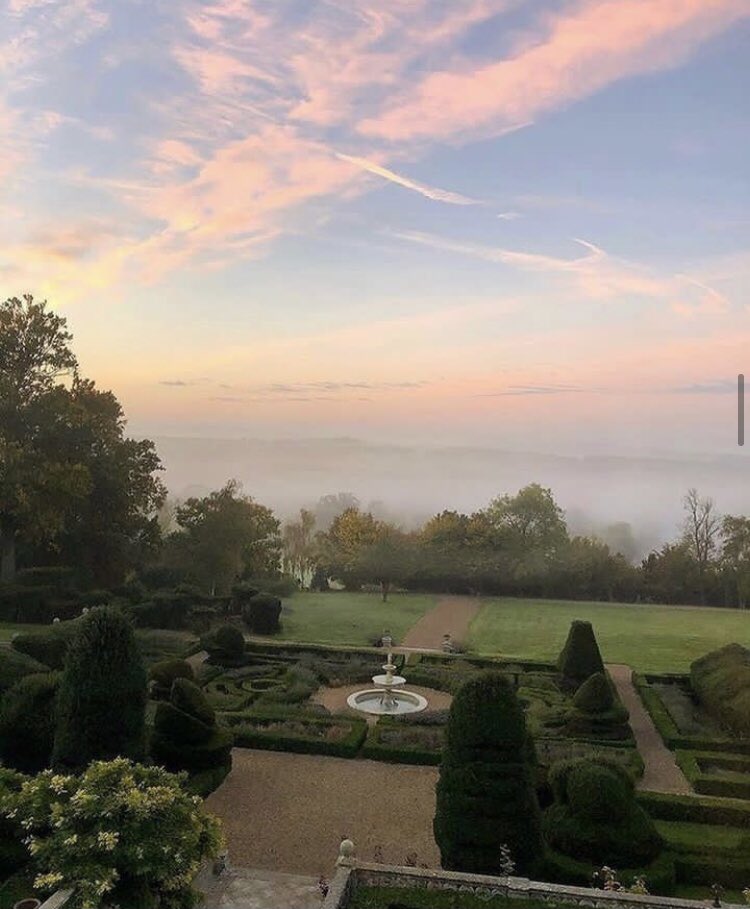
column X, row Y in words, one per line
column 75, row 491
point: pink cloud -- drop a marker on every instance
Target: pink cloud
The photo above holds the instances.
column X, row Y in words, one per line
column 581, row 51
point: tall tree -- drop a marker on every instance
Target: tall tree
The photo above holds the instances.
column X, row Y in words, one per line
column 225, row 536
column 340, row 547
column 701, row 532
column 102, row 697
column 299, row 547
column 735, row 555
column 37, row 485
column 387, row 560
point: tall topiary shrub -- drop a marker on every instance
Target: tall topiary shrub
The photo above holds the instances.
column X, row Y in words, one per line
column 27, row 722
column 580, row 657
column 102, row 699
column 486, row 795
column 596, row 712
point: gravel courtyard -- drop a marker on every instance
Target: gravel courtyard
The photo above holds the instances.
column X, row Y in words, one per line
column 289, row 812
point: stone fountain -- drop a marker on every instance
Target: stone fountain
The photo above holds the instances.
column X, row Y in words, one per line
column 388, row 698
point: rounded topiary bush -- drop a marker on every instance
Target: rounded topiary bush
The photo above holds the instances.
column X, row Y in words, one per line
column 225, row 644
column 27, row 722
column 595, row 695
column 188, row 697
column 580, row 657
column 164, row 673
column 262, row 614
column 595, row 816
column 485, row 794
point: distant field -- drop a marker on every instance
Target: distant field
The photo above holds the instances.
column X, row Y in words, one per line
column 350, row 618
column 655, row 638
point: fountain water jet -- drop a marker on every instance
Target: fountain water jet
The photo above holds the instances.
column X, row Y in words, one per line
column 386, row 700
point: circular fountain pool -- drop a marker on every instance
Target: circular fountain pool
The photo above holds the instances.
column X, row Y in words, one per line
column 376, row 700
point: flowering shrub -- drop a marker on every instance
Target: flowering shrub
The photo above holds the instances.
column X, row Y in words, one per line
column 120, row 831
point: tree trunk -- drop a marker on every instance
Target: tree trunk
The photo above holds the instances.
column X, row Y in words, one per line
column 7, row 554
column 385, row 587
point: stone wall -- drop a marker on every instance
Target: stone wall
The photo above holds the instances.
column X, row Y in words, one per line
column 352, row 874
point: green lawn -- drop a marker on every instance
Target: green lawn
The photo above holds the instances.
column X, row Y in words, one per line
column 8, row 629
column 349, row 618
column 649, row 638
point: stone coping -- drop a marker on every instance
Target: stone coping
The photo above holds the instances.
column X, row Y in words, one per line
column 352, row 874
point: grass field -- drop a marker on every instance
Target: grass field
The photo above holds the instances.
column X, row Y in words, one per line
column 651, row 638
column 8, row 629
column 350, row 618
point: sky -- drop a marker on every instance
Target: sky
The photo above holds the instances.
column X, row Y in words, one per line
column 522, row 223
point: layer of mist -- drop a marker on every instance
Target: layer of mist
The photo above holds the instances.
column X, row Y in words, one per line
column 409, row 483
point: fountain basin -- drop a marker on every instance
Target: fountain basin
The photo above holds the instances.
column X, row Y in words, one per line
column 389, row 681
column 375, row 701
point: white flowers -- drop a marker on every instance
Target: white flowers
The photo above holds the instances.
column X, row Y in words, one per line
column 107, row 840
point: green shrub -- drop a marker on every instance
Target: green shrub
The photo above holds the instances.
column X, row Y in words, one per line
column 114, row 849
column 261, row 614
column 163, row 673
column 595, row 816
column 660, row 875
column 282, row 585
column 485, row 794
column 580, row 657
column 102, row 698
column 721, row 681
column 27, row 722
column 278, row 730
column 188, row 697
column 179, row 727
column 49, row 646
column 225, row 643
column 216, row 751
column 696, row 809
column 13, row 853
column 595, row 695
column 242, row 593
column 14, row 666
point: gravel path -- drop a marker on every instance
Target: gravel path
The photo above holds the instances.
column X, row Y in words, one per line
column 289, row 812
column 452, row 616
column 662, row 773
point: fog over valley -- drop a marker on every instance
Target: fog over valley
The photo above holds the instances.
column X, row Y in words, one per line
column 409, row 483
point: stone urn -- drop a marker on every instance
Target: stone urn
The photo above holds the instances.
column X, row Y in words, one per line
column 30, row 903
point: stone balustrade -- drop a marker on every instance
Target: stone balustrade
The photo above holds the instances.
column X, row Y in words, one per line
column 352, row 873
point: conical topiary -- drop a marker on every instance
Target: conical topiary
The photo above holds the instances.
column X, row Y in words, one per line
column 580, row 657
column 486, row 795
column 102, row 698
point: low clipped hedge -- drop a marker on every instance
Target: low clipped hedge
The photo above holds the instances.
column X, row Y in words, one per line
column 15, row 665
column 709, row 870
column 669, row 731
column 696, row 809
column 251, row 730
column 377, row 749
column 707, row 783
column 661, row 875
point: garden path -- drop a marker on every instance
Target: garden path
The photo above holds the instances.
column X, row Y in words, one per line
column 661, row 772
column 289, row 812
column 452, row 615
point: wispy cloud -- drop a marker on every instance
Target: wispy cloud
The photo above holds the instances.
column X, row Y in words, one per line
column 569, row 56
column 597, row 274
column 430, row 192
column 516, row 390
